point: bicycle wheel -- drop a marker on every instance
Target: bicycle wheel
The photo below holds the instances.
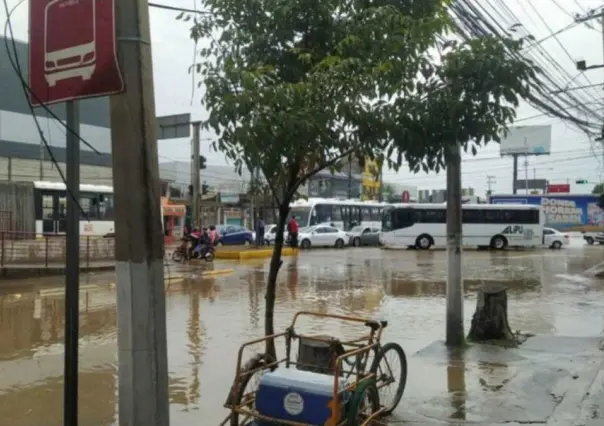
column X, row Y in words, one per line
column 236, row 395
column 390, row 383
column 364, row 402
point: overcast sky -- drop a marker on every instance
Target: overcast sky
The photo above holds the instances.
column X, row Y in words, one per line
column 573, row 156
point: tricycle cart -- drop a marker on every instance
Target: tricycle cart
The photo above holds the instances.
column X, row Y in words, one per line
column 332, row 382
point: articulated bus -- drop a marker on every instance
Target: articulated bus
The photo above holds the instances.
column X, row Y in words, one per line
column 497, row 226
column 343, row 214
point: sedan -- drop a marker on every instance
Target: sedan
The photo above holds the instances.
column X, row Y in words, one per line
column 270, row 234
column 364, row 236
column 322, row 236
column 234, row 235
column 554, row 239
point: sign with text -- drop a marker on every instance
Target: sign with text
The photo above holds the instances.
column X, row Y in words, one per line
column 562, row 211
column 562, row 188
column 72, row 50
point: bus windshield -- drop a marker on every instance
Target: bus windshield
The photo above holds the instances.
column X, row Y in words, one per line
column 302, row 215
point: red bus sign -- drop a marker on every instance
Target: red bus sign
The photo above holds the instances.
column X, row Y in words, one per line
column 72, row 50
column 562, row 188
column 405, row 197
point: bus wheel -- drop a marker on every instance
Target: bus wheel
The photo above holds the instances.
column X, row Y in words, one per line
column 424, row 242
column 498, row 242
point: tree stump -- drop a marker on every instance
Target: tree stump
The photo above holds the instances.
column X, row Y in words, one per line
column 490, row 320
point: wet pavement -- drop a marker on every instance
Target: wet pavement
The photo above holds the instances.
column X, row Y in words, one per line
column 209, row 318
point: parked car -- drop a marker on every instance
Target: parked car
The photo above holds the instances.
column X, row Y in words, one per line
column 270, row 234
column 364, row 236
column 322, row 236
column 234, row 235
column 554, row 239
column 593, row 237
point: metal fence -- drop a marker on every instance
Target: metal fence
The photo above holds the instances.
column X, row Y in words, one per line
column 20, row 249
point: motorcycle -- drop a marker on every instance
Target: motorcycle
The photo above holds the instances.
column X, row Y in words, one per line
column 190, row 248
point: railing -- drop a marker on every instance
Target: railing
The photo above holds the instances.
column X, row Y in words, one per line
column 23, row 249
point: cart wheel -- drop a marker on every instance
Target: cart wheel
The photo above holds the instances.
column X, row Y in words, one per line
column 247, row 384
column 364, row 402
column 390, row 369
column 177, row 256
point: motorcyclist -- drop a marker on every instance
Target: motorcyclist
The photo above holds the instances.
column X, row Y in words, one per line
column 194, row 237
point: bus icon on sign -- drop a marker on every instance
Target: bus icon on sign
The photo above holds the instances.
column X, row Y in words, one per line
column 69, row 40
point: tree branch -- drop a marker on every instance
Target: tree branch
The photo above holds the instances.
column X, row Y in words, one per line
column 322, row 166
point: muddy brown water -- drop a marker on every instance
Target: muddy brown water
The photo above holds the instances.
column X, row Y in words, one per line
column 208, row 319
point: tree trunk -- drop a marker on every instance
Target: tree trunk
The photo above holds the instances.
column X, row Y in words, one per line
column 271, row 285
column 490, row 321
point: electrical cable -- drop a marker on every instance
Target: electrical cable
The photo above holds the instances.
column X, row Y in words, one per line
column 15, row 64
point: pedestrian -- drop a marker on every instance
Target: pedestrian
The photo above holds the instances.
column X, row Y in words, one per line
column 292, row 230
column 260, row 231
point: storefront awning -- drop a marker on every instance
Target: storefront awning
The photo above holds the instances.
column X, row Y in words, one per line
column 174, row 210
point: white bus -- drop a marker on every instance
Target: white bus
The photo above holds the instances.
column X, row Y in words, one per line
column 344, row 214
column 484, row 225
column 50, row 202
column 98, row 210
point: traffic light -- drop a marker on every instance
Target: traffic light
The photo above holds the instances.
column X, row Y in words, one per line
column 204, row 189
column 191, row 190
column 581, row 181
column 202, row 162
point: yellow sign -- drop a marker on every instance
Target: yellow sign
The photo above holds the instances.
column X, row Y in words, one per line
column 371, row 180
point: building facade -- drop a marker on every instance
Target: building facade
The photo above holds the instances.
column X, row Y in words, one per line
column 23, row 155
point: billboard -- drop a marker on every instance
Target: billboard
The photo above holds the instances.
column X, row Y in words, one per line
column 72, row 50
column 558, row 188
column 562, row 212
column 370, row 180
column 527, row 140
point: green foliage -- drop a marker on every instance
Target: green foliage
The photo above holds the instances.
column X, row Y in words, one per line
column 292, row 87
column 468, row 97
column 389, row 193
column 598, row 189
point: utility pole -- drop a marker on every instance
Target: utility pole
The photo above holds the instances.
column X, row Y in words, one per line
column 350, row 177
column 139, row 242
column 490, row 182
column 196, row 169
column 514, row 173
column 455, row 329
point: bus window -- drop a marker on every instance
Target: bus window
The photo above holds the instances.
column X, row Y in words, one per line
column 473, row 216
column 106, row 207
column 336, row 213
column 324, row 213
column 431, row 215
column 403, row 218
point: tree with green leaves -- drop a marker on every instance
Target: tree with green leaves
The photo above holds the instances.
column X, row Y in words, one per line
column 598, row 189
column 293, row 87
column 389, row 193
column 465, row 99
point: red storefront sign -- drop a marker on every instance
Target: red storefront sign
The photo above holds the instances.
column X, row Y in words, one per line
column 561, row 188
column 72, row 50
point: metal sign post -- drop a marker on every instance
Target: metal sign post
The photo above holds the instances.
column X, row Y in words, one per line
column 72, row 270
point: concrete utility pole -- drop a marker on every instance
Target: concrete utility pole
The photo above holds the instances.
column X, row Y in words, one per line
column 139, row 243
column 195, row 174
column 455, row 329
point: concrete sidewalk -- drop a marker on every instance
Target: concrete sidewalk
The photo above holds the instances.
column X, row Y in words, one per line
column 548, row 380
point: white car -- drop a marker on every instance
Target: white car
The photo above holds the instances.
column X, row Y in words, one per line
column 270, row 234
column 322, row 236
column 554, row 239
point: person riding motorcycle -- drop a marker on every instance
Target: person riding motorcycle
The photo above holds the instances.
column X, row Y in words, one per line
column 194, row 238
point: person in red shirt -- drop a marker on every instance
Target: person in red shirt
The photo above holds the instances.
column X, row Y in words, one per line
column 292, row 230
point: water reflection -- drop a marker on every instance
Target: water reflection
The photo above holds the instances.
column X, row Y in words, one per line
column 208, row 319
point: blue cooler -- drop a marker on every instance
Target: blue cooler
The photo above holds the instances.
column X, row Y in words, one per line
column 297, row 396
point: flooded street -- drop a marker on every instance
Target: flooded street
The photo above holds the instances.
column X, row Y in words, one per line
column 208, row 320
